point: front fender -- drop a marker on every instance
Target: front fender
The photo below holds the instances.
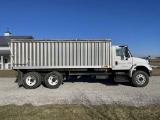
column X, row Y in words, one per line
column 142, row 67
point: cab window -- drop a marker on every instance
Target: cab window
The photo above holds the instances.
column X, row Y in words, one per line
column 120, row 52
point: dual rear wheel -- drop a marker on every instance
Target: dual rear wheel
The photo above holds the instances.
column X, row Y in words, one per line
column 53, row 80
column 33, row 80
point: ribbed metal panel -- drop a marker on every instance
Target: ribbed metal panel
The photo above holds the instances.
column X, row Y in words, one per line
column 60, row 54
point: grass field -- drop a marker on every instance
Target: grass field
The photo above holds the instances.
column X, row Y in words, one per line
column 156, row 71
column 79, row 112
column 8, row 73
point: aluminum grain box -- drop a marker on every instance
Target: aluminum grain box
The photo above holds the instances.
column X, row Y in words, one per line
column 48, row 54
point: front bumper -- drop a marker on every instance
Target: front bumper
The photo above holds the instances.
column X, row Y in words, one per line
column 150, row 73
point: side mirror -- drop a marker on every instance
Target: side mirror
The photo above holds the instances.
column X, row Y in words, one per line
column 126, row 52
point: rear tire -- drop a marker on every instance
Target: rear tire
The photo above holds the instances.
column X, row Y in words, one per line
column 32, row 80
column 53, row 80
column 140, row 79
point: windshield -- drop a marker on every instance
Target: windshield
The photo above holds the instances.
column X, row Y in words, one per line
column 123, row 51
column 130, row 53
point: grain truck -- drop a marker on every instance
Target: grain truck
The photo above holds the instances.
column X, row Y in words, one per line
column 52, row 61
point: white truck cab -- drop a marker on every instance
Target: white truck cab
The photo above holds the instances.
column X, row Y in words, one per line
column 138, row 69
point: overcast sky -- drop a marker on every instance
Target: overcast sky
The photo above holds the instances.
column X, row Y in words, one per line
column 135, row 23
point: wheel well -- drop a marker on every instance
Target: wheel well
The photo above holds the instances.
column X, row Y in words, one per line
column 142, row 68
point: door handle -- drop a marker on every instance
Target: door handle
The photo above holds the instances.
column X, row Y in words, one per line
column 116, row 63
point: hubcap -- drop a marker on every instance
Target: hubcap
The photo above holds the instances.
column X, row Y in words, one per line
column 31, row 80
column 53, row 80
column 140, row 79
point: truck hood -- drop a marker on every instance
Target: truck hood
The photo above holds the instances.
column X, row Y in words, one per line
column 139, row 61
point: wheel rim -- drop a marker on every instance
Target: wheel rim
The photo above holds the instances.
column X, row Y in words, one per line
column 30, row 80
column 140, row 79
column 53, row 80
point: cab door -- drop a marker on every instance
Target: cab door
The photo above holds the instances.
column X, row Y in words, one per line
column 120, row 61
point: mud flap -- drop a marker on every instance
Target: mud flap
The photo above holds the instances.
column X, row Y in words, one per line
column 19, row 78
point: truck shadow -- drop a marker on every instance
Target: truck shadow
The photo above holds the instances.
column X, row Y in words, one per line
column 88, row 79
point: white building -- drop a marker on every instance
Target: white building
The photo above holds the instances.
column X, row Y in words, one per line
column 5, row 50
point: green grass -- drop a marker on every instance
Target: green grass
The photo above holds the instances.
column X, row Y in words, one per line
column 8, row 73
column 79, row 112
column 156, row 71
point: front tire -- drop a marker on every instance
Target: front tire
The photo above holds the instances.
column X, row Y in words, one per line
column 32, row 80
column 140, row 79
column 53, row 80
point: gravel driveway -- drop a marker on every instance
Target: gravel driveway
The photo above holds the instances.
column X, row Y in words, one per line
column 81, row 91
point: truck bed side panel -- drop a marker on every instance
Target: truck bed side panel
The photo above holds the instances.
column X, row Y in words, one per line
column 27, row 54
